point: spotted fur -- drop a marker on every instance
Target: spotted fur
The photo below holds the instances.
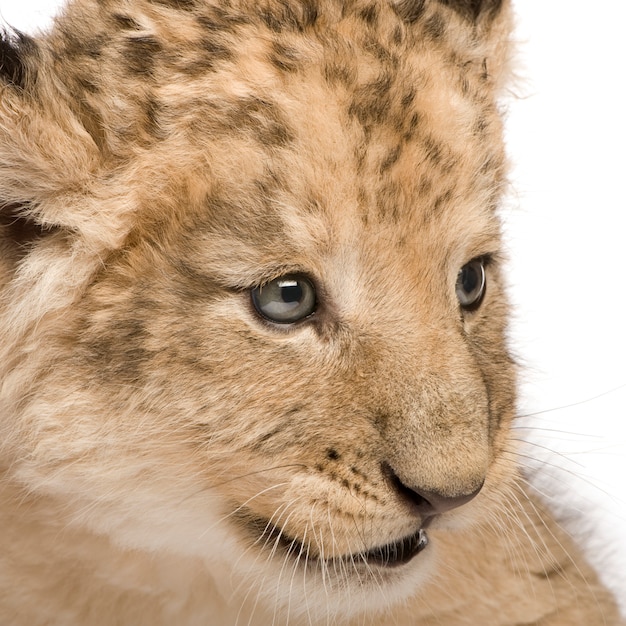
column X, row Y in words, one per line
column 169, row 455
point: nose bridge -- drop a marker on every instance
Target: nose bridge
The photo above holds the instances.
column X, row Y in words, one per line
column 434, row 416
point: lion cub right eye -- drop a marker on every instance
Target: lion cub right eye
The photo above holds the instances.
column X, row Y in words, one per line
column 285, row 300
column 470, row 284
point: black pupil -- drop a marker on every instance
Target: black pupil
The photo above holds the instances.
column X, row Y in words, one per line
column 470, row 278
column 291, row 292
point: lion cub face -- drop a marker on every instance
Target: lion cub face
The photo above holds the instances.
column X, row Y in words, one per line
column 291, row 359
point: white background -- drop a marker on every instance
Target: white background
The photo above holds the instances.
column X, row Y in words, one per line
column 565, row 222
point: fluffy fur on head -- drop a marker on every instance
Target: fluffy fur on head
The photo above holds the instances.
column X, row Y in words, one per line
column 253, row 322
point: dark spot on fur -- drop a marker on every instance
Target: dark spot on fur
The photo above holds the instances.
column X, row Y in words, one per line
column 484, row 75
column 432, row 150
column 140, row 53
column 355, row 470
column 151, row 124
column 332, row 454
column 271, row 21
column 220, row 20
column 286, row 15
column 410, row 10
column 464, row 85
column 369, row 14
column 93, row 47
column 310, row 13
column 263, row 120
column 210, row 23
column 435, row 26
column 210, row 53
column 387, row 200
column 77, row 47
column 380, row 419
column 216, row 50
column 442, row 200
column 268, row 435
column 411, row 126
column 480, row 126
column 425, row 186
column 125, row 22
column 207, row 54
column 284, row 58
column 179, row 5
column 408, row 98
column 117, row 351
column 392, row 157
column 381, row 53
column 372, row 102
column 14, row 49
column 363, row 204
column 397, row 36
column 86, row 84
column 336, row 74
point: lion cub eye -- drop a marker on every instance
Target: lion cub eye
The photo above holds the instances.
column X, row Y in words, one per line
column 285, row 300
column 470, row 284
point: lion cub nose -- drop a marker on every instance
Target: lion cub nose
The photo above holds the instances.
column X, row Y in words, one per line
column 427, row 503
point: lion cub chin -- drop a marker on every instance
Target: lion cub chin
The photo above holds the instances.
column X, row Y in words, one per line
column 253, row 366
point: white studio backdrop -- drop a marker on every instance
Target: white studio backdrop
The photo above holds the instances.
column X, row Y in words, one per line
column 565, row 222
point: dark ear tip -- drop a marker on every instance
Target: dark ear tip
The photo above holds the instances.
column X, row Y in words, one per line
column 14, row 49
column 474, row 9
column 412, row 10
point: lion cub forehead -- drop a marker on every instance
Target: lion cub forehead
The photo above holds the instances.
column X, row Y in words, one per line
column 305, row 119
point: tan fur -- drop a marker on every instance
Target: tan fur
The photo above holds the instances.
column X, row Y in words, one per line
column 158, row 161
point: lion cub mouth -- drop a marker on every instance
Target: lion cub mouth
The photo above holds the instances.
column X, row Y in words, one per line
column 397, row 553
column 392, row 554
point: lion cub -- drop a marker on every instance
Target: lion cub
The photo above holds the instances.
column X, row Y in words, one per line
column 253, row 363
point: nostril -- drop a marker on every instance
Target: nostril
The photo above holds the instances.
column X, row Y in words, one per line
column 426, row 503
column 414, row 498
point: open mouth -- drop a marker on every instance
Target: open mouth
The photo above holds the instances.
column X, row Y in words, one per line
column 397, row 553
column 389, row 555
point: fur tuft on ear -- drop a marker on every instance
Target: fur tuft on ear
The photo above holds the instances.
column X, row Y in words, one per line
column 54, row 223
column 48, row 160
column 14, row 48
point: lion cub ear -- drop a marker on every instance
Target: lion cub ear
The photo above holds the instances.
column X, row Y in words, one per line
column 12, row 51
column 47, row 157
column 486, row 22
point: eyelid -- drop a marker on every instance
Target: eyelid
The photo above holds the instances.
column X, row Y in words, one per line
column 265, row 277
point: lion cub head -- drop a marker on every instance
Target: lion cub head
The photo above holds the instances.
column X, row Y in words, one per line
column 252, row 299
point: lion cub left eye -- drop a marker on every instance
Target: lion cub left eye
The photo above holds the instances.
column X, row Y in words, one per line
column 470, row 284
column 285, row 300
